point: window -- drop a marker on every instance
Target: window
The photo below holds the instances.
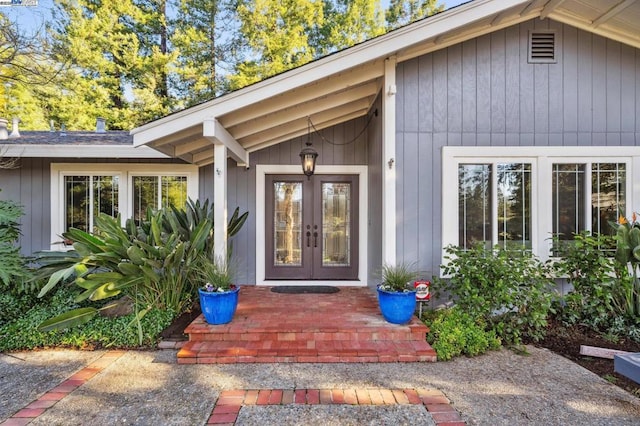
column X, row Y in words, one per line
column 80, row 192
column 573, row 210
column 494, row 197
column 516, row 197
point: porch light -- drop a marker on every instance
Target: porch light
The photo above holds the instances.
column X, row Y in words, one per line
column 308, row 155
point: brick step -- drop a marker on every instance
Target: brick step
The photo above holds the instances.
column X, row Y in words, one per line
column 211, row 352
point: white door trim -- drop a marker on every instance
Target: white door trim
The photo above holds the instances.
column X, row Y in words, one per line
column 265, row 169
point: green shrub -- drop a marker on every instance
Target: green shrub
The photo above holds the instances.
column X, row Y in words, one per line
column 509, row 290
column 13, row 266
column 452, row 332
column 605, row 293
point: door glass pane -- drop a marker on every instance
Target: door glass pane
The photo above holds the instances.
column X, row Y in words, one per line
column 287, row 225
column 87, row 197
column 174, row 191
column 145, row 195
column 474, row 205
column 336, row 220
column 608, row 195
column 568, row 200
column 105, row 195
column 514, row 205
column 77, row 192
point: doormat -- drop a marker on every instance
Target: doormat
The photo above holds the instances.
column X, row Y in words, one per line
column 305, row 289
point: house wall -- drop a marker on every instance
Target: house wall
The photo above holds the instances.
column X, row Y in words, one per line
column 483, row 92
column 242, row 182
column 30, row 185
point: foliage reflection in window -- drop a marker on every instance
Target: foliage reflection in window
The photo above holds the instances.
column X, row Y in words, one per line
column 88, row 196
column 570, row 208
column 158, row 192
column 478, row 186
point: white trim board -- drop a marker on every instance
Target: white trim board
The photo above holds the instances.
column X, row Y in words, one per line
column 363, row 204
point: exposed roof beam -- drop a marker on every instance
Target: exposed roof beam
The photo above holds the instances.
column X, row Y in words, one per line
column 339, row 83
column 549, row 7
column 185, row 136
column 199, row 157
column 214, row 131
column 191, row 146
column 626, row 38
column 302, row 124
column 298, row 133
column 291, row 114
column 615, row 10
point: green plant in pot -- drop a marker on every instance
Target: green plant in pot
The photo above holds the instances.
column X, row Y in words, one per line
column 218, row 294
column 396, row 294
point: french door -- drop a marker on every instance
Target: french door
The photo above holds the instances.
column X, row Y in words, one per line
column 311, row 227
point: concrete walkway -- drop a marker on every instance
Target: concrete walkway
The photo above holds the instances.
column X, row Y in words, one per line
column 143, row 388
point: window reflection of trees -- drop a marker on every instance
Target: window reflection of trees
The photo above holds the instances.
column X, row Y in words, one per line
column 514, row 205
column 287, row 223
column 87, row 197
column 474, row 207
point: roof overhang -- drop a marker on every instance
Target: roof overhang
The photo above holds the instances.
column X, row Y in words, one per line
column 14, row 150
column 344, row 85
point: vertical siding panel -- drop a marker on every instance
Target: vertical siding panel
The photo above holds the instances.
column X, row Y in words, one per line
column 556, row 83
column 426, row 202
column 454, row 88
column 541, row 98
column 599, row 66
column 410, row 96
column 585, row 79
column 439, row 141
column 613, row 86
column 412, row 227
column 400, row 123
column 440, row 91
column 469, row 100
column 37, row 204
column 26, row 198
column 425, row 93
column 637, row 72
column 498, row 99
column 512, row 80
column 338, row 135
column 628, row 105
column 400, row 186
column 570, row 76
column 483, row 84
column 526, row 81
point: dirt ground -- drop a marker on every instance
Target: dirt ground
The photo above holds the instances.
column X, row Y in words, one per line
column 566, row 341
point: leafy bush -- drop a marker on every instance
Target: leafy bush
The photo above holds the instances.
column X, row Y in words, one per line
column 22, row 331
column 13, row 268
column 452, row 332
column 605, row 292
column 510, row 291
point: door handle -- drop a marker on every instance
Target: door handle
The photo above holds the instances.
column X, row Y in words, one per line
column 315, row 239
column 308, row 238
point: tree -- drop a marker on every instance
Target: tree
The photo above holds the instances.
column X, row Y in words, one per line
column 276, row 37
column 349, row 22
column 202, row 39
column 403, row 12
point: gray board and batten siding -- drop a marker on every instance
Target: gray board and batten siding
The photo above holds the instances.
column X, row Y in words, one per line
column 483, row 92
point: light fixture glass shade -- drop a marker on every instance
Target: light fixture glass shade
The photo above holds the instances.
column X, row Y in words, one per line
column 308, row 158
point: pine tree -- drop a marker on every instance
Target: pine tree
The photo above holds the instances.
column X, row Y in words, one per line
column 403, row 12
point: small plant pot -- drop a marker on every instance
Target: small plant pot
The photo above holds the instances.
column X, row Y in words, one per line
column 397, row 307
column 219, row 308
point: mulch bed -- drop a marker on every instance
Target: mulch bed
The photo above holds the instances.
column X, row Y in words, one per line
column 566, row 341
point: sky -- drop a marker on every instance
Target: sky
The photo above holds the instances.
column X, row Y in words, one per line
column 31, row 18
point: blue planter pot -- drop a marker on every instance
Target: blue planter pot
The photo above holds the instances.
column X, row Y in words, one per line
column 219, row 308
column 397, row 308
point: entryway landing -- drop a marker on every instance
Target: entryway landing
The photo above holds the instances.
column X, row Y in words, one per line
column 341, row 327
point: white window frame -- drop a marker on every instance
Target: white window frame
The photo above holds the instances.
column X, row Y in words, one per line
column 542, row 160
column 125, row 173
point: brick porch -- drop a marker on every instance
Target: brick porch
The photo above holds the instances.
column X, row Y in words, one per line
column 340, row 327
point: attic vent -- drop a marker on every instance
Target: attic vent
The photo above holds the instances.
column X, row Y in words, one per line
column 542, row 47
